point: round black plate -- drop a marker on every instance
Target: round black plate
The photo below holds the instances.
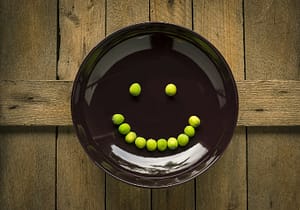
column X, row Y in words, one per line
column 154, row 54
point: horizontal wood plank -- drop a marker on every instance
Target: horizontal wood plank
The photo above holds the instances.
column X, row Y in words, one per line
column 269, row 103
column 47, row 102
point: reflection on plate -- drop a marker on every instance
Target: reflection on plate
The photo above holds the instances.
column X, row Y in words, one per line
column 154, row 54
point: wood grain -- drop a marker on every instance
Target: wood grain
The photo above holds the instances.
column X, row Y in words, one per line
column 180, row 13
column 121, row 13
column 35, row 102
column 80, row 184
column 28, row 45
column 172, row 11
column 224, row 186
column 221, row 22
column 273, row 166
column 272, row 39
column 27, row 155
column 262, row 102
column 181, row 197
column 273, row 42
column 123, row 196
column 266, row 101
column 82, row 26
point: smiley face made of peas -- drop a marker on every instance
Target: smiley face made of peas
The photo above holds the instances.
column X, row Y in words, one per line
column 151, row 144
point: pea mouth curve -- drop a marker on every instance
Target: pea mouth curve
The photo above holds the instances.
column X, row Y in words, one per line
column 161, row 144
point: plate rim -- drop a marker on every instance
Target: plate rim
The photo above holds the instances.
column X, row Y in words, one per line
column 188, row 170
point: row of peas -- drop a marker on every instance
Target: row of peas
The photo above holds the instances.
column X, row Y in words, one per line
column 135, row 89
column 151, row 144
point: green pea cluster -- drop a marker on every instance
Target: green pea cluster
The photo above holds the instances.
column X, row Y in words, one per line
column 135, row 89
column 161, row 144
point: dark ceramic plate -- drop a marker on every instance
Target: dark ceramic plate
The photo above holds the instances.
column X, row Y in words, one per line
column 154, row 54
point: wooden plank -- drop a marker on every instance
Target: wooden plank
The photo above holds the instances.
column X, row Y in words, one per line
column 222, row 24
column 35, row 102
column 80, row 183
column 180, row 197
column 273, row 165
column 224, row 185
column 121, row 13
column 273, row 43
column 180, row 13
column 176, row 12
column 273, row 103
column 82, row 26
column 262, row 103
column 123, row 196
column 272, row 39
column 27, row 155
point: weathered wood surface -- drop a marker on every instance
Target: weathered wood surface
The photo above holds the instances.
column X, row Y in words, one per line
column 262, row 102
column 272, row 52
column 180, row 13
column 224, row 186
column 27, row 155
column 259, row 39
column 177, row 197
column 176, row 12
column 272, row 103
column 121, row 13
column 80, row 184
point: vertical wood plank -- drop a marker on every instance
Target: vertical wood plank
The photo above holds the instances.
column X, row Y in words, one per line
column 172, row 11
column 120, row 195
column 80, row 184
column 273, row 165
column 28, row 39
column 180, row 197
column 27, row 155
column 121, row 13
column 272, row 38
column 273, row 44
column 224, row 185
column 82, row 26
column 222, row 24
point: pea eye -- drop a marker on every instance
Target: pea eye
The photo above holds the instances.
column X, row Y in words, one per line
column 135, row 89
column 170, row 89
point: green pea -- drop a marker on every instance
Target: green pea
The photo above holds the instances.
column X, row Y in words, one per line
column 162, row 144
column 151, row 145
column 124, row 128
column 130, row 137
column 189, row 130
column 183, row 139
column 172, row 143
column 194, row 121
column 170, row 89
column 140, row 142
column 135, row 89
column 118, row 119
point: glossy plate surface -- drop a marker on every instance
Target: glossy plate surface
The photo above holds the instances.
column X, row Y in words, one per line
column 154, row 54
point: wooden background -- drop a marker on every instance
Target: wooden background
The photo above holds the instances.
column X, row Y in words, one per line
column 44, row 167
